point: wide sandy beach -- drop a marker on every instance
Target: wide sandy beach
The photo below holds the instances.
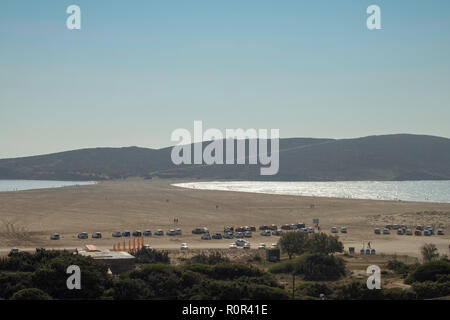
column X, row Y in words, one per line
column 27, row 218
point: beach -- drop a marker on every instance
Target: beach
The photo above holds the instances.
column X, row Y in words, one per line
column 28, row 218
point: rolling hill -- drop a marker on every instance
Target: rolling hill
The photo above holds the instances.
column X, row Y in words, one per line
column 386, row 157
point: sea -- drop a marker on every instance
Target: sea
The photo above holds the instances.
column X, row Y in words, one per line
column 17, row 185
column 423, row 191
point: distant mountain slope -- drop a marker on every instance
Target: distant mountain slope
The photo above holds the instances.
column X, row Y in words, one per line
column 388, row 157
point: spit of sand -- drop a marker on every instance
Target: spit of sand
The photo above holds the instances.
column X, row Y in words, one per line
column 27, row 218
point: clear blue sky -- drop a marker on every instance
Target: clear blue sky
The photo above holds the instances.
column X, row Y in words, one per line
column 137, row 70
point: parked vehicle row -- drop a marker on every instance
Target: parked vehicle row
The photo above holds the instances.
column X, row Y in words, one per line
column 335, row 230
column 403, row 230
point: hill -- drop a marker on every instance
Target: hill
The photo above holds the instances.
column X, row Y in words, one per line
column 387, row 157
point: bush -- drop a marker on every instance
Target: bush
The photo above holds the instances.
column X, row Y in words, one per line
column 13, row 282
column 130, row 289
column 147, row 256
column 431, row 271
column 214, row 258
column 30, row 294
column 320, row 267
column 315, row 289
column 428, row 289
column 314, row 267
column 286, row 266
column 401, row 267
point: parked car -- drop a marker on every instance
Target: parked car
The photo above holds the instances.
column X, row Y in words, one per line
column 409, row 232
column 334, row 230
column 395, row 226
column 147, row 233
column 247, row 234
column 418, row 232
column 304, row 230
column 440, row 232
column 126, row 233
column 277, row 232
column 293, row 226
column 273, row 227
column 83, row 235
column 178, row 231
column 240, row 229
column 147, row 247
column 200, row 230
column 117, row 234
column 344, row 230
column 159, row 232
column 386, row 231
column 97, row 235
column 171, row 232
column 184, row 246
column 285, row 227
column 246, row 246
column 239, row 235
column 232, row 246
column 427, row 233
column 430, row 228
column 55, row 236
column 265, row 233
column 262, row 228
column 419, row 227
column 206, row 236
column 274, row 245
column 217, row 236
column 300, row 225
column 377, row 231
column 240, row 242
column 310, row 230
column 228, row 229
column 262, row 246
column 137, row 233
column 388, row 226
column 400, row 232
column 252, row 229
column 228, row 235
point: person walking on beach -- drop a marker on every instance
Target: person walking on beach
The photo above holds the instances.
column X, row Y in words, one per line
column 368, row 245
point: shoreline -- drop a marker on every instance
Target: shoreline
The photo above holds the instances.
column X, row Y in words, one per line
column 27, row 218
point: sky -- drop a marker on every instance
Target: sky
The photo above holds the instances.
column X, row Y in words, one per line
column 138, row 70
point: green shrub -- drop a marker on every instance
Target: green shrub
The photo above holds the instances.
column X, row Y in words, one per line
column 320, row 267
column 314, row 289
column 401, row 267
column 147, row 256
column 30, row 294
column 430, row 271
column 428, row 289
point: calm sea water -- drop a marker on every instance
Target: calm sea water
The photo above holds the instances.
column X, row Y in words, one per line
column 15, row 185
column 434, row 191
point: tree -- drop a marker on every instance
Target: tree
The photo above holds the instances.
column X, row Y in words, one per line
column 429, row 252
column 294, row 243
column 31, row 294
column 324, row 244
column 319, row 267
